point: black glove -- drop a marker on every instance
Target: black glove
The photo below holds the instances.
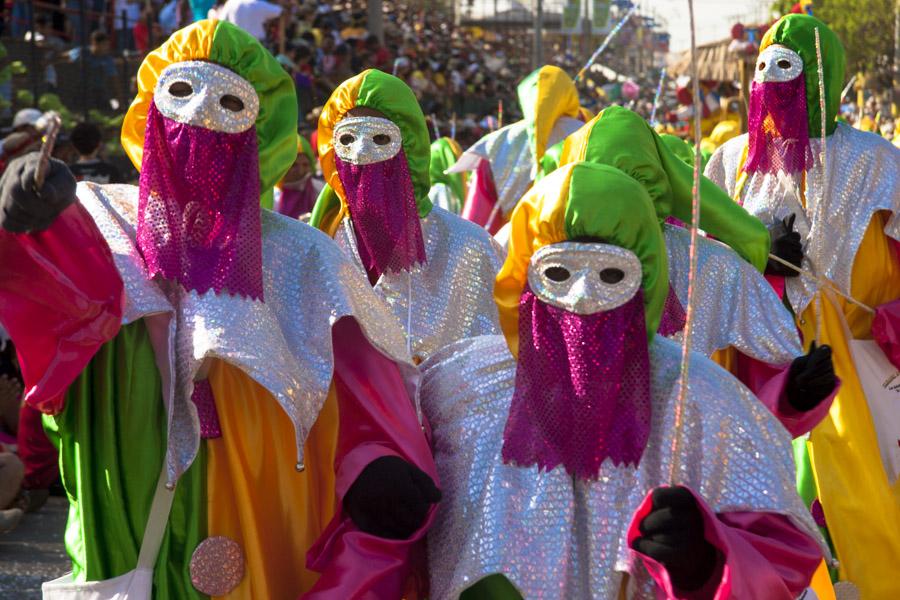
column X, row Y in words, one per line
column 391, row 498
column 811, row 379
column 786, row 246
column 672, row 535
column 22, row 209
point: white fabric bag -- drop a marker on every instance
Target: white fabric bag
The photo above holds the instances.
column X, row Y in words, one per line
column 881, row 384
column 134, row 585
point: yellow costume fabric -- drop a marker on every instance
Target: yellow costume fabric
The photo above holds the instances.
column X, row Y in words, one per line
column 255, row 495
column 864, row 525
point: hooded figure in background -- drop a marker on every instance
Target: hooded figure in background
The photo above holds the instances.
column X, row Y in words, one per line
column 432, row 268
column 448, row 190
column 207, row 364
column 506, row 162
column 839, row 222
column 296, row 193
column 557, row 441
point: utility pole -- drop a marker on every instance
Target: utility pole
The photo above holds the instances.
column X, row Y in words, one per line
column 537, row 58
column 376, row 23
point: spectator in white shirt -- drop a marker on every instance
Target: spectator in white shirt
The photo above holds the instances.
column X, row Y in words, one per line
column 250, row 15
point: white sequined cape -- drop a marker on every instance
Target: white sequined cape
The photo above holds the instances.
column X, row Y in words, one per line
column 451, row 296
column 554, row 538
column 863, row 178
column 283, row 343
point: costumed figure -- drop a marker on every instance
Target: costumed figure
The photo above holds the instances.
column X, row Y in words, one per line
column 506, row 162
column 556, row 444
column 296, row 193
column 432, row 267
column 448, row 190
column 230, row 399
column 844, row 212
column 739, row 319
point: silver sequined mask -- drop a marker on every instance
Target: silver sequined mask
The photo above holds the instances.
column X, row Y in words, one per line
column 584, row 278
column 366, row 140
column 206, row 95
column 777, row 63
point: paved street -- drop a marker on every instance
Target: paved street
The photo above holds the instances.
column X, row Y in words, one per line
column 33, row 552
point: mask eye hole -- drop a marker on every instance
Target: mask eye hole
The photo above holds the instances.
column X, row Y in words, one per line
column 762, row 66
column 382, row 139
column 181, row 89
column 346, row 139
column 557, row 274
column 612, row 275
column 232, row 103
column 784, row 64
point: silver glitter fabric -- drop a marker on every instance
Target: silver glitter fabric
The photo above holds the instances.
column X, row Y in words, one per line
column 568, row 275
column 777, row 63
column 366, row 140
column 554, row 538
column 451, row 296
column 197, row 99
column 284, row 343
column 863, row 178
column 735, row 305
column 512, row 162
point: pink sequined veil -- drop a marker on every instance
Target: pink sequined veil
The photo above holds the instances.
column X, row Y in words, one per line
column 582, row 391
column 198, row 207
column 778, row 127
column 382, row 204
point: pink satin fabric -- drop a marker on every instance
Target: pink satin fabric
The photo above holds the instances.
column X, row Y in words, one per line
column 377, row 418
column 886, row 330
column 481, row 199
column 768, row 383
column 582, row 390
column 198, row 207
column 61, row 298
column 382, row 205
column 37, row 453
column 780, row 105
column 765, row 557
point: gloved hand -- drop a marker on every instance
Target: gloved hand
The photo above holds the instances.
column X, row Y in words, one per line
column 786, row 246
column 391, row 498
column 672, row 535
column 811, row 379
column 24, row 209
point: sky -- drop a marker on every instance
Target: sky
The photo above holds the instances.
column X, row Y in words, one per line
column 714, row 18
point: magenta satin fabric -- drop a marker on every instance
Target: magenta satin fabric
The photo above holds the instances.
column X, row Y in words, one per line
column 198, row 207
column 61, row 298
column 787, row 148
column 582, row 390
column 38, row 454
column 886, row 330
column 377, row 418
column 382, row 204
column 765, row 557
column 482, row 198
column 203, row 399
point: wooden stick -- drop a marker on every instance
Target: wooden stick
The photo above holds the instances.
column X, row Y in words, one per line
column 53, row 126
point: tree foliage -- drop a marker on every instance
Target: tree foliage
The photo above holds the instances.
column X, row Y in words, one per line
column 866, row 28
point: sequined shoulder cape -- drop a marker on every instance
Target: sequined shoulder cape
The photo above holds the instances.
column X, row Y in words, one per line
column 284, row 343
column 451, row 296
column 497, row 518
column 512, row 160
column 736, row 306
column 863, row 178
